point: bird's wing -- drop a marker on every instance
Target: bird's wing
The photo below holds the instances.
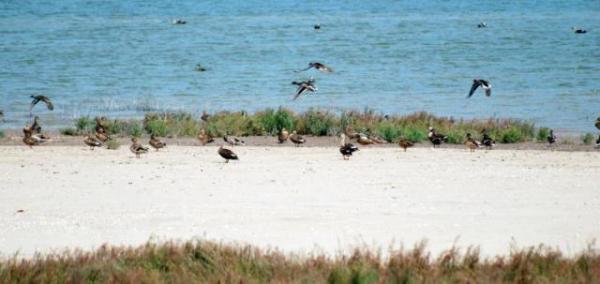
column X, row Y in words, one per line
column 299, row 92
column 324, row 68
column 473, row 88
column 309, row 66
column 488, row 91
column 34, row 102
column 48, row 103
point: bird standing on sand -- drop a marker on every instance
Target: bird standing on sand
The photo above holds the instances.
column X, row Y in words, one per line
column 436, row 139
column 101, row 130
column 297, row 139
column 404, row 143
column 227, row 154
column 283, row 135
column 551, row 137
column 303, row 86
column 319, row 66
column 471, row 143
column 346, row 148
column 364, row 140
column 156, row 143
column 92, row 142
column 30, row 139
column 376, row 139
column 484, row 84
column 204, row 138
column 578, row 30
column 137, row 148
column 487, row 141
column 233, row 141
column 350, row 133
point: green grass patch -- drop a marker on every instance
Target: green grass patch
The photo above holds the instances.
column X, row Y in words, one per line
column 68, row 131
column 2, row 133
column 210, row 262
column 112, row 144
column 587, row 138
column 318, row 123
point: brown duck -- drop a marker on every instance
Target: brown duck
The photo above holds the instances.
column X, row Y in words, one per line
column 156, row 143
column 204, row 138
column 471, row 143
column 404, row 144
column 283, row 135
column 92, row 142
column 364, row 140
column 137, row 148
column 297, row 139
column 227, row 154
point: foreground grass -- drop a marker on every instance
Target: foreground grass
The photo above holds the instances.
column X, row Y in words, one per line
column 318, row 123
column 209, row 262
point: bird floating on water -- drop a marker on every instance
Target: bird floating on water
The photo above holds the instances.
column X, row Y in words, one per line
column 435, row 138
column 317, row 26
column 482, row 25
column 283, row 136
column 303, row 86
column 346, row 148
column 92, row 142
column 227, row 154
column 156, row 143
column 137, row 148
column 484, row 84
column 297, row 139
column 578, row 30
column 471, row 143
column 179, row 22
column 199, row 68
column 319, row 66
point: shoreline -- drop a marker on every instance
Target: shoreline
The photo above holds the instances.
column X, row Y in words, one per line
column 570, row 144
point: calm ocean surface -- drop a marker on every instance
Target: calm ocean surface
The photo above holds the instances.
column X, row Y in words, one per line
column 123, row 58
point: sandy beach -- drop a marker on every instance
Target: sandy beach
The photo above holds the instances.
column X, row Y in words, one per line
column 298, row 199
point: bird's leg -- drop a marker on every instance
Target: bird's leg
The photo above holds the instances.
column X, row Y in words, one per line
column 226, row 161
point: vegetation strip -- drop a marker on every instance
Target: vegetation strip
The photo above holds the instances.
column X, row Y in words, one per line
column 210, row 262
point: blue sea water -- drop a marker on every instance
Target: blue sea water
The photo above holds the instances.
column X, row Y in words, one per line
column 123, row 58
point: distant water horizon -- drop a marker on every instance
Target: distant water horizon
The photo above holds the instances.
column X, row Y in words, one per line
column 122, row 59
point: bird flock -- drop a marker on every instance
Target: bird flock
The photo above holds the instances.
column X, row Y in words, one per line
column 32, row 134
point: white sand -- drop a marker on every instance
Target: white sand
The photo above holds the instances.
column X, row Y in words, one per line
column 298, row 199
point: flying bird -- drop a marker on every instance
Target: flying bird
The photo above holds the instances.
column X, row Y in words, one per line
column 303, row 86
column 227, row 154
column 346, row 148
column 37, row 99
column 484, row 84
column 319, row 66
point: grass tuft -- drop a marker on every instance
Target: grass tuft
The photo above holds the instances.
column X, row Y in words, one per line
column 69, row 131
column 588, row 138
column 113, row 144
